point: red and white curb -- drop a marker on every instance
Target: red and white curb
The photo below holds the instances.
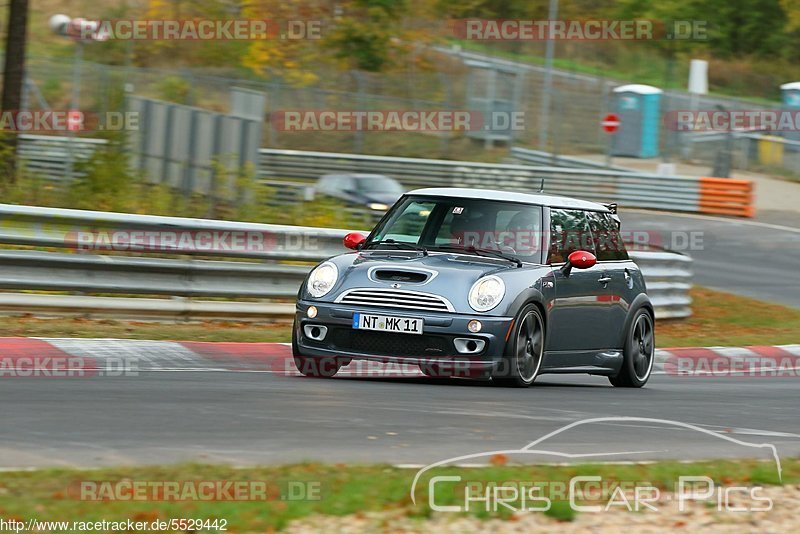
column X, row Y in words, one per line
column 750, row 361
column 20, row 356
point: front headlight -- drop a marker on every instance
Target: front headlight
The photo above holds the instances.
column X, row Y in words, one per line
column 486, row 293
column 322, row 279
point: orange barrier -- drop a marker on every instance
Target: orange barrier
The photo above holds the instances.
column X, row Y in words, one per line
column 723, row 196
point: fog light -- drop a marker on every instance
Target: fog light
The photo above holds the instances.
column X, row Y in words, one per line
column 311, row 311
column 474, row 326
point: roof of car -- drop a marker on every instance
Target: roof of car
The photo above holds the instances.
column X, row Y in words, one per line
column 540, row 199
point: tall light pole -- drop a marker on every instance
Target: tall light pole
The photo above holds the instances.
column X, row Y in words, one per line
column 547, row 89
column 81, row 31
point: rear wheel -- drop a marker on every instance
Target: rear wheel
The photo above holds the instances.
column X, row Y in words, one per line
column 524, row 350
column 324, row 367
column 640, row 345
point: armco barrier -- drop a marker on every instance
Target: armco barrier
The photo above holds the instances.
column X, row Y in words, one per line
column 631, row 189
column 724, row 196
column 144, row 272
column 47, row 156
column 539, row 157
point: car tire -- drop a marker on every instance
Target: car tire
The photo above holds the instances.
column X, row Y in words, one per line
column 320, row 367
column 639, row 354
column 524, row 350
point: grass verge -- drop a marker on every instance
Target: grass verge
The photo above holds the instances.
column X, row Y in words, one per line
column 720, row 319
column 335, row 490
column 723, row 319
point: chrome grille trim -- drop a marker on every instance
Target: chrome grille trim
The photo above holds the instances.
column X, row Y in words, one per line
column 395, row 298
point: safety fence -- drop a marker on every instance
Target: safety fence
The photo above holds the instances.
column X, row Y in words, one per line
column 122, row 264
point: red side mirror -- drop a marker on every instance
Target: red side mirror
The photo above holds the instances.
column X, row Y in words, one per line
column 353, row 240
column 580, row 259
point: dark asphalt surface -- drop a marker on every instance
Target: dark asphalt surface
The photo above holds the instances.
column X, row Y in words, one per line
column 249, row 418
column 751, row 258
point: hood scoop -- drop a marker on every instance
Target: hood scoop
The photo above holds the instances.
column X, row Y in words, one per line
column 400, row 275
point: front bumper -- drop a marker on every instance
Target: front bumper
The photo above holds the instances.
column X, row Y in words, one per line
column 435, row 346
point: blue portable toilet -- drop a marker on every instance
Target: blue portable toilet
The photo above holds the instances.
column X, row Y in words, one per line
column 639, row 110
column 790, row 96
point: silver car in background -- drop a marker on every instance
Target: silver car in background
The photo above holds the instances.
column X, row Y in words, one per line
column 375, row 192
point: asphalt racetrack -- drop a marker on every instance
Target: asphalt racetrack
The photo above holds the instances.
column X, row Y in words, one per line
column 750, row 258
column 260, row 417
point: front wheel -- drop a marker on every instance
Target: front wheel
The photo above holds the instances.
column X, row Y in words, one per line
column 640, row 347
column 524, row 350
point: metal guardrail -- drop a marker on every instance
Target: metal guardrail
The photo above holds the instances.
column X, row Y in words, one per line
column 632, row 189
column 47, row 155
column 74, row 229
column 668, row 276
column 138, row 269
column 539, row 157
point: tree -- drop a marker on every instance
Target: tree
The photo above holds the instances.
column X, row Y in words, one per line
column 14, row 76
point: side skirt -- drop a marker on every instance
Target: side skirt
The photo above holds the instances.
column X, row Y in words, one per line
column 603, row 362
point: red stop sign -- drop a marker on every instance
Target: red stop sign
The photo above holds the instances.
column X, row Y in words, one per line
column 610, row 123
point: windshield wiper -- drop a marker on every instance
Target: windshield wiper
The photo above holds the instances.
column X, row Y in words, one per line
column 483, row 252
column 400, row 244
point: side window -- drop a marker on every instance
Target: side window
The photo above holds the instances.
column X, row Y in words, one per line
column 607, row 240
column 569, row 231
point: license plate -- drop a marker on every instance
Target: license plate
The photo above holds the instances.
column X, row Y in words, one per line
column 384, row 323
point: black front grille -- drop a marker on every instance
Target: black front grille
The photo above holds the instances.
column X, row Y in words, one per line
column 388, row 344
column 396, row 275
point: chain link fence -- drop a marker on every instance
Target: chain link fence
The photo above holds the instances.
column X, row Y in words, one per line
column 578, row 102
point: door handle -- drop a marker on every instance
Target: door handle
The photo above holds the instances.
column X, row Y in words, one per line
column 605, row 280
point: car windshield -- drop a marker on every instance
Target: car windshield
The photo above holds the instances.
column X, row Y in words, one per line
column 474, row 225
column 377, row 184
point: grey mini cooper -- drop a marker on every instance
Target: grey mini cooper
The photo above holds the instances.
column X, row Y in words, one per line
column 484, row 284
